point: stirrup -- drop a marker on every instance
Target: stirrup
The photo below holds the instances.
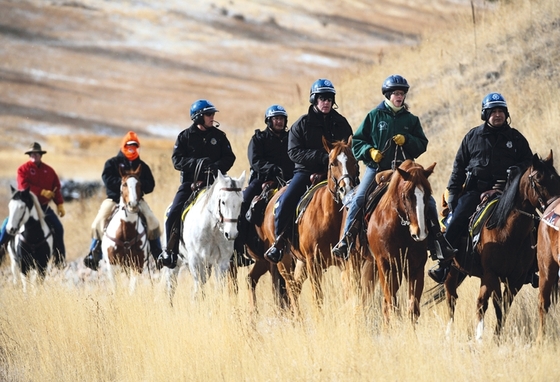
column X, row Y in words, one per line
column 439, row 272
column 167, row 259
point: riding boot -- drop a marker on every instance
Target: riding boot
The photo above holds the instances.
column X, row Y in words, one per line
column 94, row 256
column 440, row 271
column 275, row 253
column 341, row 248
column 439, row 247
column 168, row 256
column 155, row 249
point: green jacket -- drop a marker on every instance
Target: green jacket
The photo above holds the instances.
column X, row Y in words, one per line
column 377, row 131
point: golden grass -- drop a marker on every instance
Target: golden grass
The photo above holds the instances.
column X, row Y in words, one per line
column 66, row 332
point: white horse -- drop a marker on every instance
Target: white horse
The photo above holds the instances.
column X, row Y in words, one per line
column 32, row 246
column 208, row 233
column 125, row 241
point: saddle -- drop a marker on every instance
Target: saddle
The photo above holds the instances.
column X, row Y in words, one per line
column 255, row 213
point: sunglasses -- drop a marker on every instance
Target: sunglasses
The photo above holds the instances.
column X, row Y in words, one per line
column 209, row 114
column 325, row 99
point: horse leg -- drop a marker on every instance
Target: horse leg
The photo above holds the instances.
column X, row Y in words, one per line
column 314, row 271
column 489, row 287
column 292, row 282
column 367, row 281
column 279, row 287
column 170, row 276
column 548, row 277
column 451, row 296
column 415, row 289
column 259, row 268
column 388, row 281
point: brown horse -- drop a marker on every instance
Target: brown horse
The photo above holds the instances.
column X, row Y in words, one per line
column 397, row 233
column 319, row 228
column 124, row 241
column 505, row 247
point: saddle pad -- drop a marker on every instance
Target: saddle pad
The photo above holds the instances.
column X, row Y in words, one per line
column 551, row 216
column 481, row 216
column 188, row 207
column 306, row 199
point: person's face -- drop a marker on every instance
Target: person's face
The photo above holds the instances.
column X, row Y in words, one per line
column 278, row 123
column 397, row 98
column 497, row 117
column 208, row 120
column 35, row 157
column 324, row 103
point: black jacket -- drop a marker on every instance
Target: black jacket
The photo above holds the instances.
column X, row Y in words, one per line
column 305, row 145
column 487, row 153
column 112, row 178
column 193, row 144
column 267, row 151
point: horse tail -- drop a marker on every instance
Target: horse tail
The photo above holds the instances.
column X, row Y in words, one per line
column 506, row 202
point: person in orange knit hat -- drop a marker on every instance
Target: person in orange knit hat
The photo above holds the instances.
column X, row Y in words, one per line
column 43, row 181
column 128, row 158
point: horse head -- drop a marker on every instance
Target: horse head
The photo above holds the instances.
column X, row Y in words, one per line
column 414, row 192
column 542, row 183
column 228, row 198
column 131, row 189
column 343, row 168
column 21, row 208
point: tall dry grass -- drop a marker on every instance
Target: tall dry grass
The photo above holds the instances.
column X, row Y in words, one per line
column 75, row 328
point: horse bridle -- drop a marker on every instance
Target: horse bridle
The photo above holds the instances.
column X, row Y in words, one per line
column 540, row 197
column 337, row 182
column 222, row 219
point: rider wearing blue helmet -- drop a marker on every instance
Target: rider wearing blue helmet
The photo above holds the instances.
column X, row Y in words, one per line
column 199, row 152
column 485, row 154
column 305, row 149
column 269, row 161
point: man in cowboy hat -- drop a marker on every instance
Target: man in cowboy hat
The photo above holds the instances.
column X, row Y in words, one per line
column 42, row 180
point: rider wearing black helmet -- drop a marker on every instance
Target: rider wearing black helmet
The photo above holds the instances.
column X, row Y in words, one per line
column 200, row 150
column 305, row 148
column 388, row 135
column 485, row 154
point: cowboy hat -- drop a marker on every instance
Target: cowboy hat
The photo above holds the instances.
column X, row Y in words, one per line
column 35, row 148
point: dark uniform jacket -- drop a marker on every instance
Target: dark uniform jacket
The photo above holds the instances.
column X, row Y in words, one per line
column 268, row 151
column 112, row 178
column 305, row 145
column 193, row 144
column 486, row 153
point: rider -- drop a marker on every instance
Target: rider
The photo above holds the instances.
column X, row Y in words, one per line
column 269, row 160
column 128, row 158
column 305, row 148
column 388, row 135
column 42, row 180
column 485, row 154
column 200, row 151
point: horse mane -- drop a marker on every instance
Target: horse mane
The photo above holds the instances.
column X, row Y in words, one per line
column 396, row 178
column 506, row 202
column 37, row 205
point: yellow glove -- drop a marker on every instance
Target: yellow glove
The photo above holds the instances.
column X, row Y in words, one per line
column 60, row 210
column 376, row 155
column 399, row 139
column 47, row 194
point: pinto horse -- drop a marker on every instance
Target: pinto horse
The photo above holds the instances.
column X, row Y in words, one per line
column 208, row 231
column 397, row 233
column 506, row 245
column 319, row 227
column 32, row 247
column 124, row 241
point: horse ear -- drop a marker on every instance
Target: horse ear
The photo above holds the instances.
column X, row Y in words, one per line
column 405, row 175
column 350, row 141
column 138, row 170
column 220, row 176
column 429, row 170
column 326, row 144
column 241, row 179
column 12, row 189
column 549, row 158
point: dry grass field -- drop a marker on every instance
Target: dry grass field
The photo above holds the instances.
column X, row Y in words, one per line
column 76, row 75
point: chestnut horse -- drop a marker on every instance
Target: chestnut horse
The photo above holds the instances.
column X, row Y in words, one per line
column 506, row 244
column 319, row 227
column 124, row 241
column 397, row 232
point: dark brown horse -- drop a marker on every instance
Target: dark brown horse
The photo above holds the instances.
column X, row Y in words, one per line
column 124, row 242
column 505, row 249
column 318, row 229
column 397, row 233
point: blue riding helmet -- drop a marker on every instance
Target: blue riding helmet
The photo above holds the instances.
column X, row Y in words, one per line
column 200, row 107
column 321, row 86
column 492, row 101
column 394, row 82
column 273, row 111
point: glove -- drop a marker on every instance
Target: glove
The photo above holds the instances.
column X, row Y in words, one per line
column 276, row 171
column 60, row 210
column 47, row 194
column 212, row 166
column 399, row 139
column 376, row 155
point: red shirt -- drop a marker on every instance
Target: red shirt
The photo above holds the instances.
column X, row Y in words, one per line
column 29, row 175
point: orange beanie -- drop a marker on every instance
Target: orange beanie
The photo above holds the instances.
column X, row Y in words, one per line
column 130, row 145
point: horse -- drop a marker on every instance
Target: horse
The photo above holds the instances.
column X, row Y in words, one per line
column 505, row 251
column 319, row 226
column 396, row 235
column 208, row 232
column 124, row 241
column 32, row 246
